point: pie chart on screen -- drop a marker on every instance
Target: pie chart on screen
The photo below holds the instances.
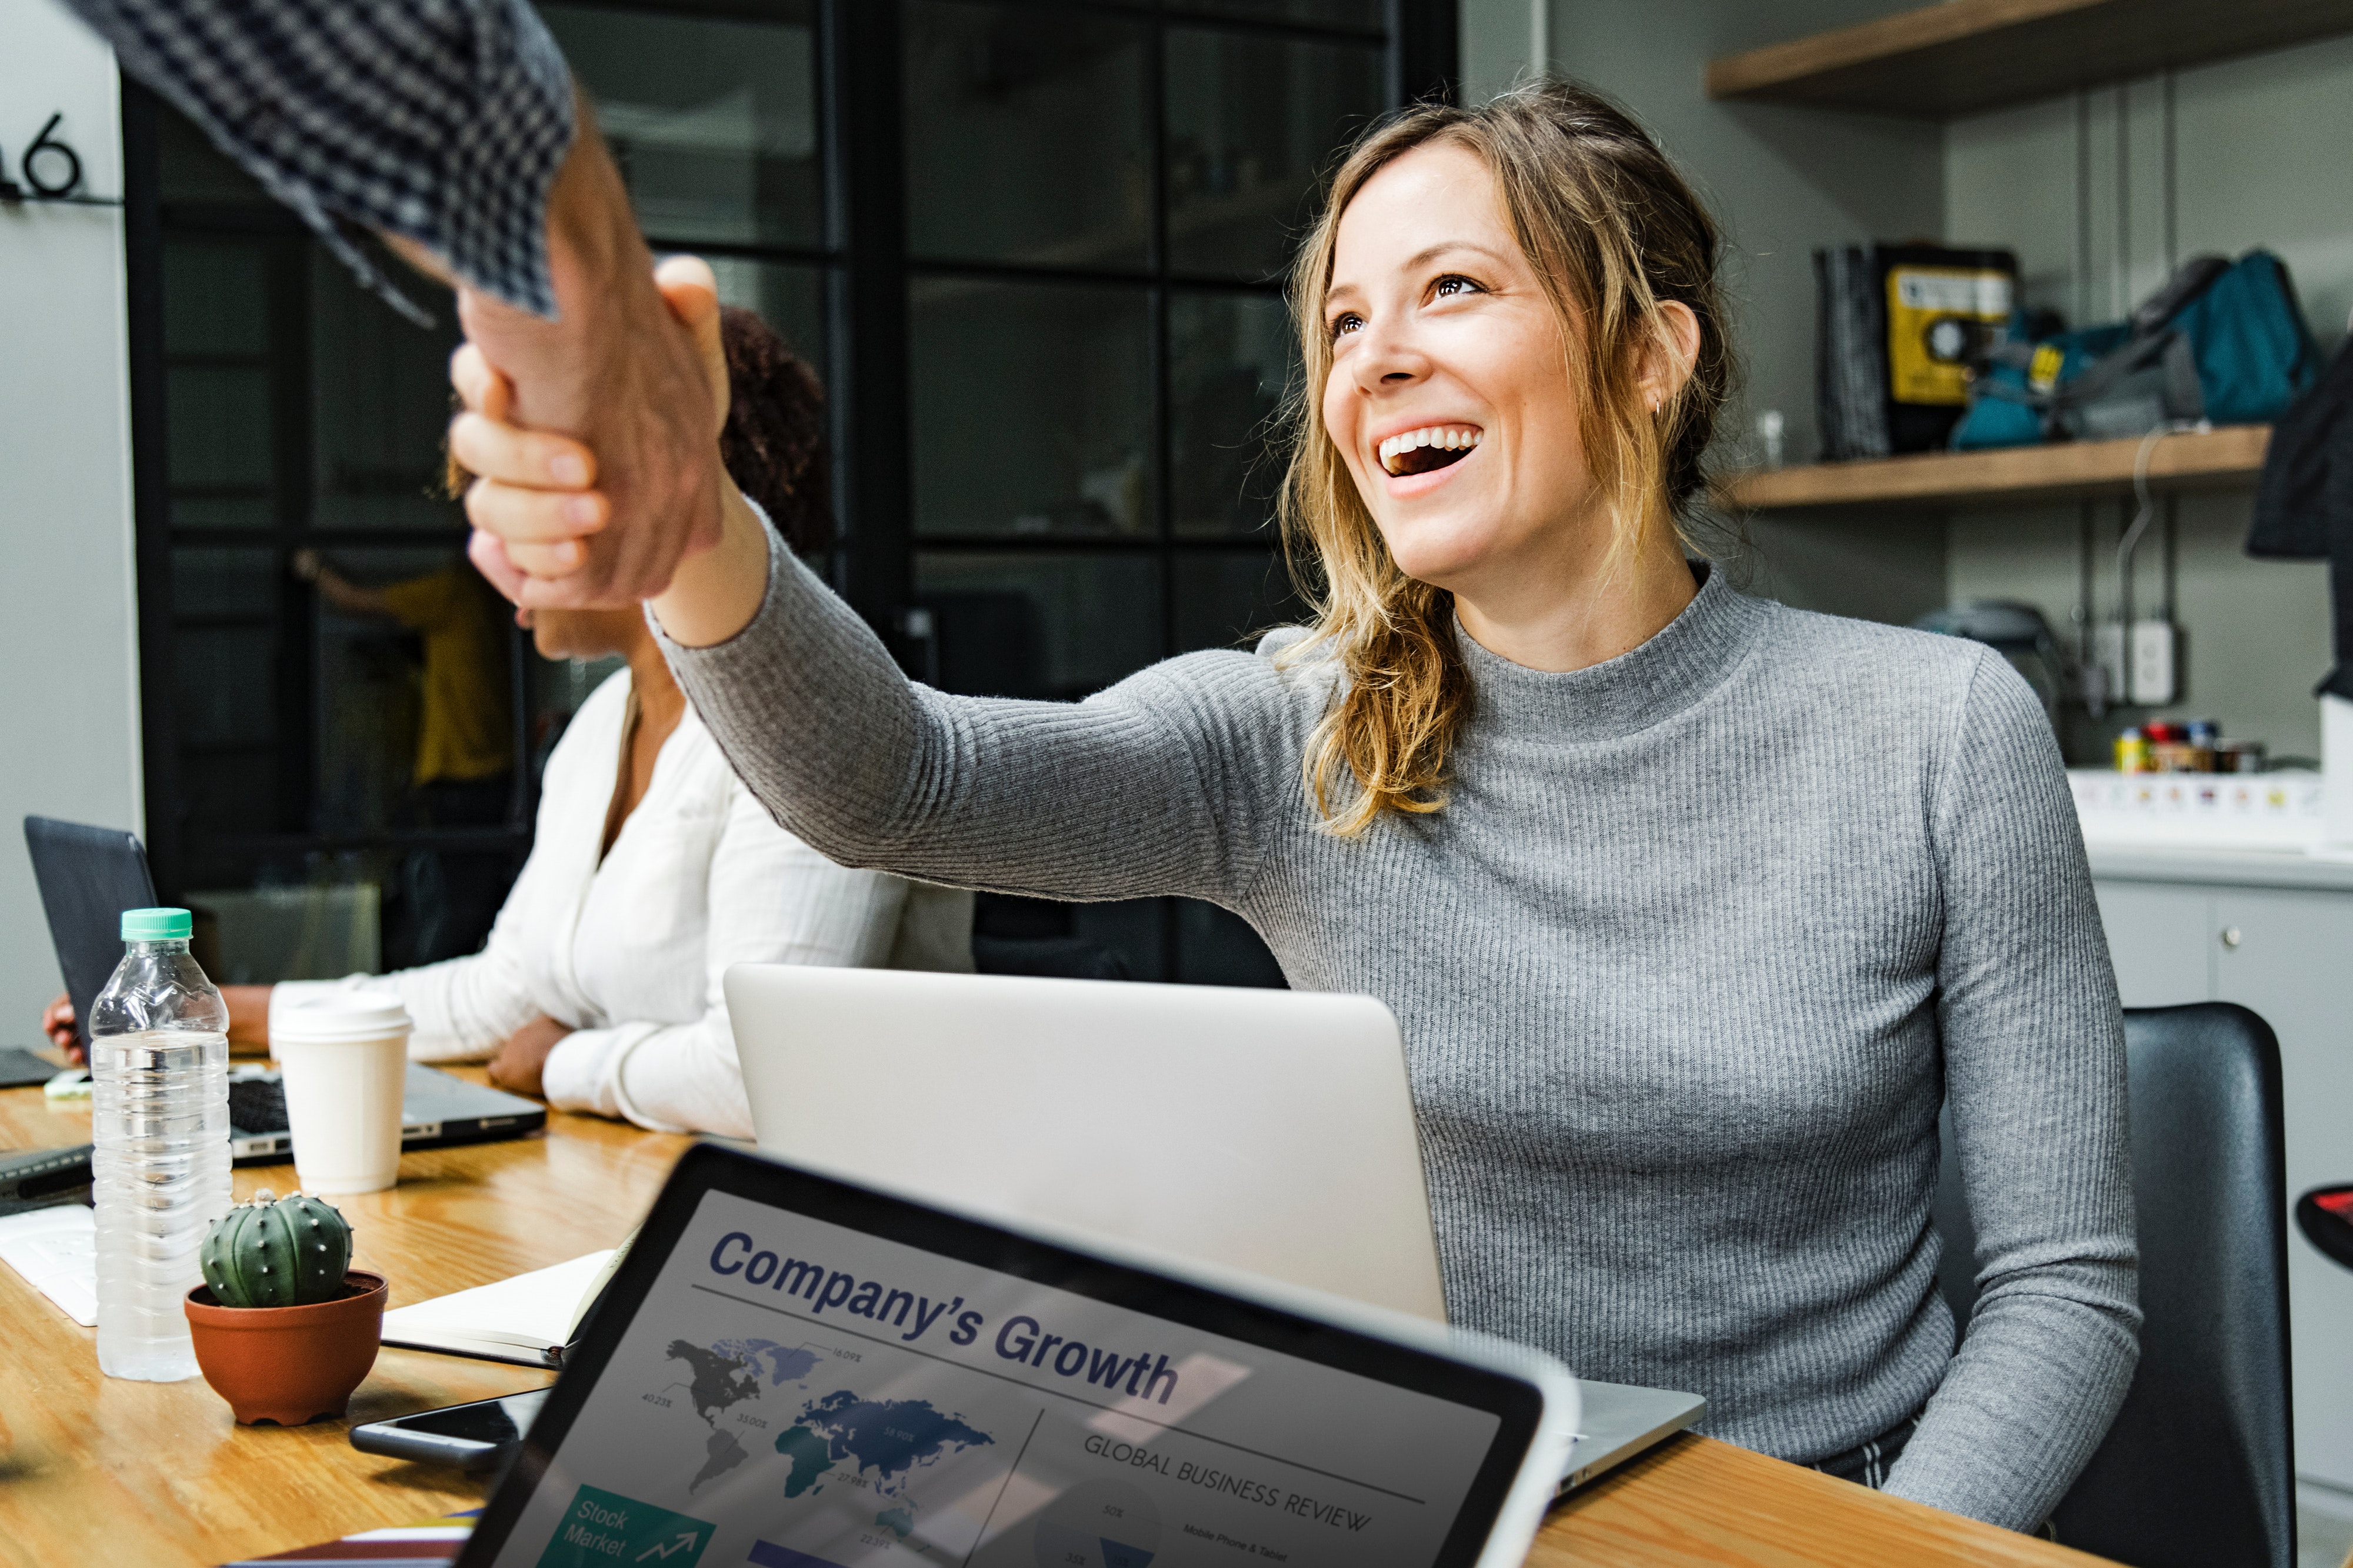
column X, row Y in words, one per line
column 1098, row 1524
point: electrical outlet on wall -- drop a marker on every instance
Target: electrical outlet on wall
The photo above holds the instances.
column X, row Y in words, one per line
column 2108, row 663
column 2154, row 677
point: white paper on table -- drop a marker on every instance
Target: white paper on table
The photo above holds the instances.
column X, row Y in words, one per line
column 56, row 1250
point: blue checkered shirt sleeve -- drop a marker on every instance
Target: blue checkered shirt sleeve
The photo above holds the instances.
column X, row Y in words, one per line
column 440, row 121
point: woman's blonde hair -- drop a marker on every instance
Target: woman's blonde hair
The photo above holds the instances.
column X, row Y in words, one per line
column 1613, row 233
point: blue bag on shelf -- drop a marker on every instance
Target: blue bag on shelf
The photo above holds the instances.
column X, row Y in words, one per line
column 2222, row 342
column 2255, row 354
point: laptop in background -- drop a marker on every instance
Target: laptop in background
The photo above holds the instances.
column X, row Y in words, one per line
column 1269, row 1131
column 436, row 1110
column 88, row 876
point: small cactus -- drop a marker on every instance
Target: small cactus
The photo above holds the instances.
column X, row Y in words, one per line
column 277, row 1252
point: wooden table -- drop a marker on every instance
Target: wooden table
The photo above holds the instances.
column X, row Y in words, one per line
column 94, row 1471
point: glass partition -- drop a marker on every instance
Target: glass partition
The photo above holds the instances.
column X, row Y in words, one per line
column 1058, row 627
column 1253, row 123
column 713, row 119
column 1026, row 138
column 1232, row 362
column 1229, row 598
column 1032, row 409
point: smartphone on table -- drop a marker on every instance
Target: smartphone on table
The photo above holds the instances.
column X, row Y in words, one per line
column 482, row 1436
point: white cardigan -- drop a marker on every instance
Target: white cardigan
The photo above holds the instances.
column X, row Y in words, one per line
column 630, row 953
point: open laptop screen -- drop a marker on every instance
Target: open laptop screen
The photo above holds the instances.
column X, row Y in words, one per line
column 88, row 877
column 797, row 1373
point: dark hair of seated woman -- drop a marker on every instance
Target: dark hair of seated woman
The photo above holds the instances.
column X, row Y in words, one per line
column 774, row 439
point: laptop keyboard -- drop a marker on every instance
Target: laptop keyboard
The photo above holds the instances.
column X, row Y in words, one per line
column 257, row 1106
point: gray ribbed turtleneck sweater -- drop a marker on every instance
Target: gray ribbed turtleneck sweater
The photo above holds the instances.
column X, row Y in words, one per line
column 1686, row 966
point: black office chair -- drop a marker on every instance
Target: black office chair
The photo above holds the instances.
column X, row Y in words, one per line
column 1012, row 936
column 1048, row 958
column 2200, row 1467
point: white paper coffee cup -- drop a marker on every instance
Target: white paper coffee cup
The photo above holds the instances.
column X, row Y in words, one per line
column 344, row 1058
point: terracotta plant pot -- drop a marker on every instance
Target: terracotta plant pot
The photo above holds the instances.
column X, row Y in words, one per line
column 289, row 1365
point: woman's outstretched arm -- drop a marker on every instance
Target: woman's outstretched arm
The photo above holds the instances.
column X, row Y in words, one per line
column 1153, row 786
column 1143, row 789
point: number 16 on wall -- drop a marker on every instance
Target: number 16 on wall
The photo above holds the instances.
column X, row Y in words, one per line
column 49, row 166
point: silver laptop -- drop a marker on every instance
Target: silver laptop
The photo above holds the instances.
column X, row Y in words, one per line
column 1271, row 1131
column 436, row 1110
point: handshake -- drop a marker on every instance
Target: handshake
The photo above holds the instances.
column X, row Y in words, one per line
column 593, row 438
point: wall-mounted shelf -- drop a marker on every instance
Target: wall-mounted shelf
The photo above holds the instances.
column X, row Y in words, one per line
column 2228, row 458
column 1970, row 55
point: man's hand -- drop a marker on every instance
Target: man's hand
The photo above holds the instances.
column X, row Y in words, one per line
column 622, row 373
column 526, row 478
column 522, row 1058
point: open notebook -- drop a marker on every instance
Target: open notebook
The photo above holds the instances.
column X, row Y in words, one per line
column 529, row 1319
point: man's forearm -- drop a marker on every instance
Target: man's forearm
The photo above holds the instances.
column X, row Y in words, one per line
column 598, row 265
column 618, row 370
column 318, row 104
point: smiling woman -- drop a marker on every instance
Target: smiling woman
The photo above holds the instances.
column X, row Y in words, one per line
column 1694, row 910
column 1532, row 282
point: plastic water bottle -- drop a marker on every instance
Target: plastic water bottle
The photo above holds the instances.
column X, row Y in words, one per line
column 159, row 1119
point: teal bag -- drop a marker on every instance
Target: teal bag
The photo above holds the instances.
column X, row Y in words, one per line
column 2255, row 354
column 2222, row 342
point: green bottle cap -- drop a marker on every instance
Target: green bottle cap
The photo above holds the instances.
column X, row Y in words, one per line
column 156, row 925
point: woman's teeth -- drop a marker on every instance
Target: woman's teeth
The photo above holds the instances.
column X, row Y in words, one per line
column 1432, row 446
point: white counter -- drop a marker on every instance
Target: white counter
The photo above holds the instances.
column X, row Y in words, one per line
column 2330, row 870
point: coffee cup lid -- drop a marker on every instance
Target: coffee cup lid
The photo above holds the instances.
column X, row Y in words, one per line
column 340, row 1015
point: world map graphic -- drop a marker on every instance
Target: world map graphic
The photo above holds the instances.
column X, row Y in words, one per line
column 881, row 1441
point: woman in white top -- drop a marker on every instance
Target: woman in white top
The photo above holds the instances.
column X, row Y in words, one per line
column 652, row 871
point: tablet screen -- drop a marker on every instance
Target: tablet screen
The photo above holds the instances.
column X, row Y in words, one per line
column 793, row 1392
